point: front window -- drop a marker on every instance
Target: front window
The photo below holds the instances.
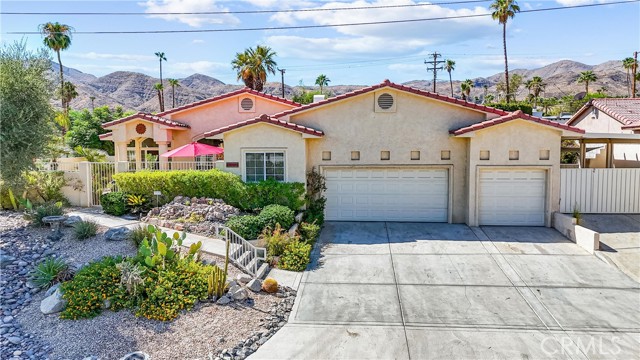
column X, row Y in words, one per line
column 261, row 166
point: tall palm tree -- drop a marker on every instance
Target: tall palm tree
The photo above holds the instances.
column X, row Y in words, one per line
column 92, row 98
column 503, row 10
column 322, row 80
column 535, row 86
column 242, row 64
column 174, row 83
column 627, row 64
column 161, row 57
column 68, row 93
column 57, row 37
column 450, row 65
column 159, row 88
column 587, row 77
column 465, row 87
column 253, row 65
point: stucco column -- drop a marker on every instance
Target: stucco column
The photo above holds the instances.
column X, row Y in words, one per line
column 138, row 151
column 163, row 147
column 121, row 151
column 609, row 154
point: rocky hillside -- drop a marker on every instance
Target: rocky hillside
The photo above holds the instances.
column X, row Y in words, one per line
column 134, row 91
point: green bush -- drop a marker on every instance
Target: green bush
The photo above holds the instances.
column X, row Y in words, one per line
column 270, row 192
column 513, row 106
column 92, row 285
column 85, row 229
column 140, row 233
column 247, row 226
column 277, row 214
column 46, row 185
column 114, row 203
column 309, row 232
column 296, row 256
column 50, row 272
column 315, row 211
column 276, row 240
column 44, row 210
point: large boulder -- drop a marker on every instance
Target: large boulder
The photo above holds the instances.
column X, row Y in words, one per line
column 255, row 285
column 72, row 220
column 117, row 234
column 53, row 304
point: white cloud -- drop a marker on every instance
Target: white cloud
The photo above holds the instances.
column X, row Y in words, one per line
column 103, row 56
column 188, row 68
column 380, row 38
column 184, row 6
column 407, row 68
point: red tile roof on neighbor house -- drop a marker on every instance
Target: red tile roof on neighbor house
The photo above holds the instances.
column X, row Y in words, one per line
column 626, row 111
column 268, row 120
column 513, row 116
column 105, row 136
column 148, row 117
column 245, row 90
column 387, row 83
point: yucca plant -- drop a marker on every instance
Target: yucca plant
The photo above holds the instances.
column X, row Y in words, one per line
column 85, row 229
column 50, row 272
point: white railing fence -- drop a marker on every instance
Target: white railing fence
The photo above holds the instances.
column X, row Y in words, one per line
column 57, row 166
column 242, row 252
column 600, row 191
column 174, row 165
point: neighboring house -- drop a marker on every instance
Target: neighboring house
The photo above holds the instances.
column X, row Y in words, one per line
column 610, row 123
column 389, row 152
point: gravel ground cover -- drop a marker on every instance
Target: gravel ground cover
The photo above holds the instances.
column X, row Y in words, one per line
column 209, row 331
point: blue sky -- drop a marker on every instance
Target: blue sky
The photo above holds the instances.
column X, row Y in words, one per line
column 347, row 55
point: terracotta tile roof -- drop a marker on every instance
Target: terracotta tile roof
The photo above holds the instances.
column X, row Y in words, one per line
column 513, row 116
column 387, row 83
column 148, row 117
column 269, row 120
column 245, row 90
column 626, row 111
column 105, row 136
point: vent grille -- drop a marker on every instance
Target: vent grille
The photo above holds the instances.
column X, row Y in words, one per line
column 385, row 101
column 246, row 104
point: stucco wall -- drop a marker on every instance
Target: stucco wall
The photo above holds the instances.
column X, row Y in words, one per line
column 270, row 138
column 418, row 124
column 528, row 139
column 596, row 121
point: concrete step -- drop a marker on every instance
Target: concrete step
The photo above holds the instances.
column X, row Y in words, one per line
column 262, row 270
column 245, row 258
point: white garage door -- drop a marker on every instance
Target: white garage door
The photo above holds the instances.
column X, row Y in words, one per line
column 512, row 197
column 387, row 194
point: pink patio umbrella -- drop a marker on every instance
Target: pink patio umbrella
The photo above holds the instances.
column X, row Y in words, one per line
column 192, row 150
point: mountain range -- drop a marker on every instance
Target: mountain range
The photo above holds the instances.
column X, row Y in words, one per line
column 134, row 91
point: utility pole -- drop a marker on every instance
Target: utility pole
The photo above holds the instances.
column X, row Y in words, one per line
column 282, row 71
column 437, row 65
column 635, row 71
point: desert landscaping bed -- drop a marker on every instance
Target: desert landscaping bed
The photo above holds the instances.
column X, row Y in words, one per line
column 207, row 331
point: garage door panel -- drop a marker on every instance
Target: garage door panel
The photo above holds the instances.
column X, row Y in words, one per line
column 387, row 195
column 512, row 197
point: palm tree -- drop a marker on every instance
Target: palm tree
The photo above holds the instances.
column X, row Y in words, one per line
column 450, row 65
column 535, row 86
column 159, row 88
column 627, row 64
column 174, row 83
column 57, row 37
column 161, row 57
column 322, row 80
column 465, row 87
column 68, row 93
column 253, row 65
column 92, row 98
column 503, row 10
column 586, row 77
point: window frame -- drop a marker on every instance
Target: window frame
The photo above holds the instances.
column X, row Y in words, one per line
column 264, row 151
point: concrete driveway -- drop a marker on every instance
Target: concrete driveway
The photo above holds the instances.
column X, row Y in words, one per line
column 447, row 291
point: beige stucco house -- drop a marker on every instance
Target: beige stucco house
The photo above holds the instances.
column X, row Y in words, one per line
column 389, row 152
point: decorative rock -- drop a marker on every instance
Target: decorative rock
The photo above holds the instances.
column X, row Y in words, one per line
column 52, row 289
column 299, row 217
column 53, row 304
column 7, row 319
column 243, row 278
column 240, row 294
column 106, row 304
column 91, row 358
column 255, row 285
column 72, row 220
column 117, row 234
column 293, row 229
column 55, row 236
column 6, row 260
column 14, row 340
column 224, row 300
column 138, row 355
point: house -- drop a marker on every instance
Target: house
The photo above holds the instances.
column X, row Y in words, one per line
column 612, row 129
column 388, row 152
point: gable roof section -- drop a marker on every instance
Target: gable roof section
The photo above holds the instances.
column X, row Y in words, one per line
column 148, row 117
column 387, row 83
column 267, row 120
column 245, row 90
column 105, row 136
column 626, row 111
column 513, row 116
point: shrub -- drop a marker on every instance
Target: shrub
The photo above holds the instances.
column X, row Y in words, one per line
column 92, row 285
column 44, row 210
column 277, row 214
column 85, row 229
column 114, row 203
column 247, row 226
column 270, row 285
column 50, row 272
column 513, row 106
column 296, row 256
column 131, row 276
column 136, row 203
column 269, row 192
column 47, row 185
column 309, row 232
column 138, row 234
column 315, row 211
column 275, row 240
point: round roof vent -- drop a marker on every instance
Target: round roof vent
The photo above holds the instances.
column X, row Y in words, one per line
column 385, row 101
column 246, row 104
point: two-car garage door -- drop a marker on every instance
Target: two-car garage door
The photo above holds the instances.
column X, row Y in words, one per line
column 387, row 194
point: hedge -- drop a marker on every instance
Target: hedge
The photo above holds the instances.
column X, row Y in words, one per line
column 514, row 106
column 212, row 184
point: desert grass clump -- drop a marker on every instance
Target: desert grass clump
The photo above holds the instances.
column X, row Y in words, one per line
column 50, row 272
column 85, row 229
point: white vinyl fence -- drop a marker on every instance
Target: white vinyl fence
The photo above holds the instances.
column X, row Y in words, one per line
column 600, row 191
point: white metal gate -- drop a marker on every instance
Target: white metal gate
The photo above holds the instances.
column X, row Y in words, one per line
column 600, row 191
column 100, row 180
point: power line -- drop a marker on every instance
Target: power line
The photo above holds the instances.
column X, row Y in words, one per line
column 248, row 11
column 323, row 25
column 435, row 62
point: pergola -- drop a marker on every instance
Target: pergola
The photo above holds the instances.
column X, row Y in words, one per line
column 608, row 140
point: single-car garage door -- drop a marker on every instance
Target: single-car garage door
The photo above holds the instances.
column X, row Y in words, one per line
column 387, row 194
column 512, row 197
